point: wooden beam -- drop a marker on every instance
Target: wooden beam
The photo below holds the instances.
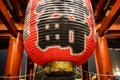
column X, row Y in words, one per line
column 5, row 34
column 16, row 12
column 102, row 7
column 115, row 27
column 3, row 28
column 7, row 20
column 113, row 34
column 14, row 57
column 17, row 7
column 114, row 30
column 13, row 9
column 99, row 8
column 102, row 59
column 110, row 19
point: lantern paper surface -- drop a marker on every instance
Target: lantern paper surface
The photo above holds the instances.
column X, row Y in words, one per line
column 59, row 30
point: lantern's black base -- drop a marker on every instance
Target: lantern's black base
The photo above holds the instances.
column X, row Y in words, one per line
column 60, row 69
column 60, row 74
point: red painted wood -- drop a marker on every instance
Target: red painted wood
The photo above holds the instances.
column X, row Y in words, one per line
column 7, row 20
column 14, row 57
column 102, row 59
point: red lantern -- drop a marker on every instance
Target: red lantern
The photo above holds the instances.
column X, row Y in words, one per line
column 59, row 30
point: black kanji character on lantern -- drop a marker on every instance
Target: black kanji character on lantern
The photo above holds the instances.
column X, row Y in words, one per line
column 63, row 32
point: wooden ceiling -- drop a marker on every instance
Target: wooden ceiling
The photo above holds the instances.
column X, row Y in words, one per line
column 106, row 13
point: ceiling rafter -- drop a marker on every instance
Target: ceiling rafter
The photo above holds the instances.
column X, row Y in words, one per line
column 110, row 19
column 7, row 20
column 17, row 7
column 14, row 9
column 99, row 13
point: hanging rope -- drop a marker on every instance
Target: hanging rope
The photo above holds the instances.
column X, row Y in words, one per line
column 45, row 75
column 96, row 73
column 22, row 75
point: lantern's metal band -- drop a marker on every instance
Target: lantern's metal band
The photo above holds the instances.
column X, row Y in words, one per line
column 60, row 68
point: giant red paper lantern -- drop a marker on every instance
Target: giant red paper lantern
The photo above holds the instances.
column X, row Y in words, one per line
column 59, row 30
